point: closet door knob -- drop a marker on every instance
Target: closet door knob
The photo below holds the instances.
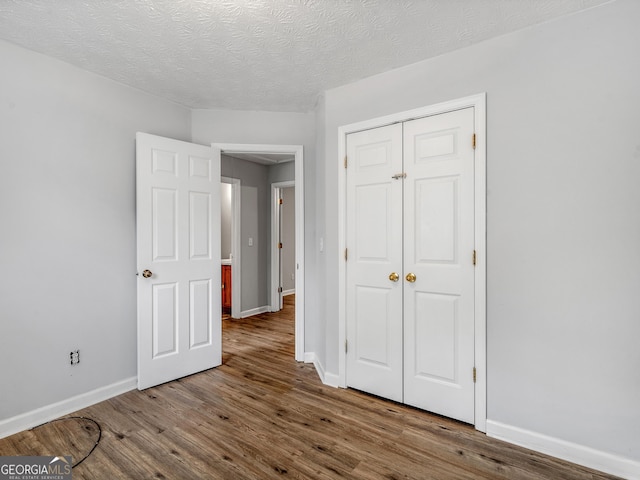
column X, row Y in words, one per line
column 147, row 273
column 411, row 277
column 394, row 277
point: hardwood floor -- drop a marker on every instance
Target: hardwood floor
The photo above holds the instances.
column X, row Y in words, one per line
column 261, row 415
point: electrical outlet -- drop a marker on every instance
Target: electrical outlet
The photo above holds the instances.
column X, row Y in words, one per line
column 74, row 357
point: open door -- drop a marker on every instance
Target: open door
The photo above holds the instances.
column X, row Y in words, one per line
column 178, row 259
column 283, row 243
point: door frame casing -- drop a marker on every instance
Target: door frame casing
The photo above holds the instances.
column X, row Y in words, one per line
column 275, row 297
column 478, row 102
column 297, row 152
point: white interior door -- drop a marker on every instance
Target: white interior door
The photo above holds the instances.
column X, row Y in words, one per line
column 374, row 230
column 178, row 259
column 410, row 211
column 439, row 251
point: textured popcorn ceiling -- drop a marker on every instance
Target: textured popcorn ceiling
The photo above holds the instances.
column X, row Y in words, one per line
column 259, row 54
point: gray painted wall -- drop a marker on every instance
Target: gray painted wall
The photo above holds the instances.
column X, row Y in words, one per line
column 562, row 216
column 67, row 210
column 282, row 172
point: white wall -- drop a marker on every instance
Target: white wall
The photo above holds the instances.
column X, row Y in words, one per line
column 324, row 169
column 226, row 213
column 284, row 128
column 67, row 216
column 563, row 225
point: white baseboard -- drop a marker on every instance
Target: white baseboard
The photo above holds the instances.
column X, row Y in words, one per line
column 255, row 311
column 288, row 292
column 45, row 414
column 311, row 357
column 331, row 379
column 327, row 378
column 572, row 452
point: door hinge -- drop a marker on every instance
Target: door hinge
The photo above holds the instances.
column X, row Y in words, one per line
column 279, row 289
column 345, row 346
column 280, row 245
column 345, row 254
column 475, row 257
column 280, row 201
column 473, row 141
column 474, row 374
column 345, row 161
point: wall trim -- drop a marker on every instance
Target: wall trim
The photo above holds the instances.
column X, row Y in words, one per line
column 328, row 379
column 332, row 380
column 255, row 311
column 47, row 413
column 311, row 357
column 572, row 452
column 289, row 292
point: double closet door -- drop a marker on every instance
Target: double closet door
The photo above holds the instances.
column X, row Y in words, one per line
column 410, row 266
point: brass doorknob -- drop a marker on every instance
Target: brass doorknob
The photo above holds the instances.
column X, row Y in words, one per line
column 147, row 273
column 394, row 277
column 411, row 277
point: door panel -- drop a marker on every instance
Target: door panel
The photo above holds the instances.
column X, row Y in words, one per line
column 374, row 227
column 435, row 211
column 373, row 240
column 200, row 226
column 178, row 208
column 200, row 302
column 165, row 228
column 436, row 336
column 372, row 326
column 164, row 319
column 438, row 249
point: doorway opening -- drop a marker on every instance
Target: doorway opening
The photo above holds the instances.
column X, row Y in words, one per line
column 230, row 251
column 268, row 154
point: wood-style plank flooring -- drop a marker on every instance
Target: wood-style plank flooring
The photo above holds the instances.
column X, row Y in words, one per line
column 261, row 415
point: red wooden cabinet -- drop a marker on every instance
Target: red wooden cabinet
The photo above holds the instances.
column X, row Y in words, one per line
column 226, row 288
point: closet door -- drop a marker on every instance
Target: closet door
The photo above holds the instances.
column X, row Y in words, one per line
column 374, row 232
column 438, row 264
